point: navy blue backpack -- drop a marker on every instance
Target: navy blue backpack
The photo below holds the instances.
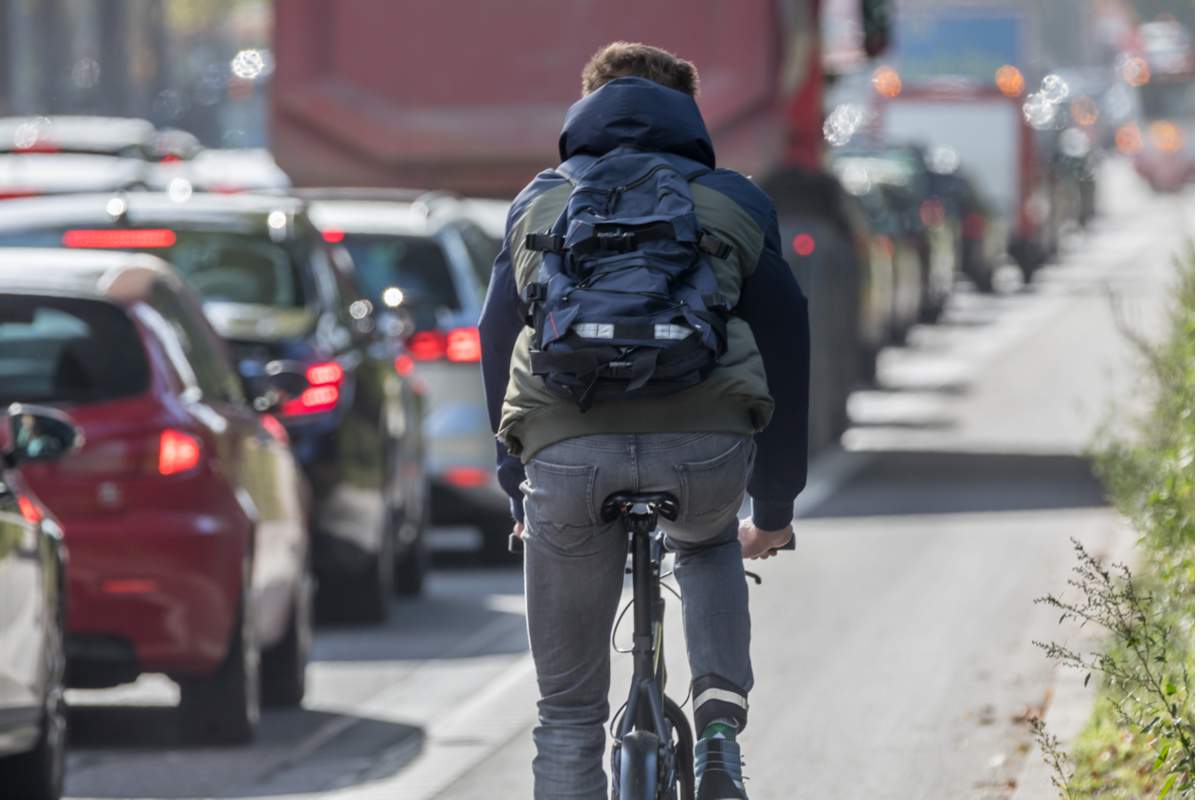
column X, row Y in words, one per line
column 626, row 303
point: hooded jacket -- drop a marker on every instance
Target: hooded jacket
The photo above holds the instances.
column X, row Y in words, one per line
column 760, row 385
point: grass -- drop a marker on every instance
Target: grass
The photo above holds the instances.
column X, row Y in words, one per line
column 1139, row 742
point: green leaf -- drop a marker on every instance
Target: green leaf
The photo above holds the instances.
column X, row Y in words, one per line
column 1170, row 689
column 1149, row 726
column 1167, row 786
column 1162, row 756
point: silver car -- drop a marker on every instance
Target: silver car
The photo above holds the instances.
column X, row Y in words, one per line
column 421, row 256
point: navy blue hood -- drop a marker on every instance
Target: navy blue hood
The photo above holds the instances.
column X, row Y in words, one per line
column 640, row 112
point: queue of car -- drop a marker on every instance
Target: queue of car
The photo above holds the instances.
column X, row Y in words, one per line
column 229, row 407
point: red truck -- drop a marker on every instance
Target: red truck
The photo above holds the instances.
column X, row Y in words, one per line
column 470, row 97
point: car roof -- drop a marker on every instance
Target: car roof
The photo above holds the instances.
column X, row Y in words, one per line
column 372, row 216
column 98, row 274
column 78, row 131
column 142, row 207
column 63, row 172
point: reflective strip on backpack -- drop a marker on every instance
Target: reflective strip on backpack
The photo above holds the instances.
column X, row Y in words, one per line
column 594, row 330
column 672, row 332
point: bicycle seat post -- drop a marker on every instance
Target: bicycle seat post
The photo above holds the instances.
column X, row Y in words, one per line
column 639, row 517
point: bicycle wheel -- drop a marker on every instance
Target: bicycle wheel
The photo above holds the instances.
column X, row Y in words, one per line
column 639, row 766
column 685, row 779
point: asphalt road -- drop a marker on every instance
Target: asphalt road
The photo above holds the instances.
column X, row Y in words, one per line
column 892, row 649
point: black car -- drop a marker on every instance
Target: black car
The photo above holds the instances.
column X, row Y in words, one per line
column 273, row 288
column 33, row 722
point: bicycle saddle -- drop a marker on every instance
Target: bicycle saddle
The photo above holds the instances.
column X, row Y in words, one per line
column 631, row 504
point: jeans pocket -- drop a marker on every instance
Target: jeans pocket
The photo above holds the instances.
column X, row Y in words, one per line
column 713, row 488
column 560, row 502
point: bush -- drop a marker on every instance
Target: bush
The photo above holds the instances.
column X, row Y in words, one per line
column 1140, row 741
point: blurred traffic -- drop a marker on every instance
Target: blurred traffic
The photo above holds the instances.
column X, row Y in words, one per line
column 238, row 299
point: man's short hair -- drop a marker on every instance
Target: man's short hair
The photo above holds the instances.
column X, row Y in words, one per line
column 625, row 59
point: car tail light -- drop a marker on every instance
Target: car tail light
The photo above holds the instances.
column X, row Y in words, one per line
column 40, row 147
column 120, row 238
column 803, row 244
column 404, row 366
column 466, row 477
column 177, row 452
column 129, row 586
column 327, row 373
column 462, row 344
column 29, row 510
column 427, row 345
column 16, row 194
column 323, row 392
column 332, row 236
column 275, row 428
column 459, row 345
column 932, row 212
column 973, row 225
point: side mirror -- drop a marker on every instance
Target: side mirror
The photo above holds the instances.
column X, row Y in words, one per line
column 272, row 383
column 37, row 433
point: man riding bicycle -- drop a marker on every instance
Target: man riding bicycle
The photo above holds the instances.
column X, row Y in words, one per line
column 704, row 396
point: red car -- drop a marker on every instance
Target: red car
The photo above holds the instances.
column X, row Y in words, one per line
column 184, row 510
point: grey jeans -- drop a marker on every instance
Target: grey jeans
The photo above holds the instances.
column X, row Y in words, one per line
column 574, row 572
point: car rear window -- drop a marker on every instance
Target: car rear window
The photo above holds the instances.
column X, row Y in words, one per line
column 68, row 350
column 226, row 266
column 414, row 264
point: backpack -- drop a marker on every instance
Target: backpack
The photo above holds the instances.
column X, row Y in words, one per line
column 626, row 303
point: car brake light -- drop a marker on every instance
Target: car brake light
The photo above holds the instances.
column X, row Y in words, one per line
column 41, row 147
column 129, row 586
column 427, row 345
column 323, row 392
column 462, row 344
column 973, row 225
column 404, row 365
column 325, row 373
column 332, row 236
column 29, row 510
column 466, row 477
column 932, row 212
column 120, row 238
column 16, row 194
column 275, row 428
column 311, row 400
column 177, row 452
column 803, row 244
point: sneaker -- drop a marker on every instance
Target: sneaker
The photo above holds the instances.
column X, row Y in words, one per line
column 719, row 770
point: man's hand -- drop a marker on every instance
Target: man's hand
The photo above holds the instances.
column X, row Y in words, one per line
column 519, row 529
column 757, row 543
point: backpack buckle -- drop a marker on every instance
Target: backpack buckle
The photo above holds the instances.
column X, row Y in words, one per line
column 545, row 242
column 713, row 246
column 616, row 241
column 535, row 293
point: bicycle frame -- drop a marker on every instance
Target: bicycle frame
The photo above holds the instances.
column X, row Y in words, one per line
column 647, row 711
column 644, row 705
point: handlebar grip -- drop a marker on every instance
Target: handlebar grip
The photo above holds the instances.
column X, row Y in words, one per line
column 516, row 543
column 791, row 544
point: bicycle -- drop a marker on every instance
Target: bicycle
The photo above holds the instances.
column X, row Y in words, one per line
column 653, row 741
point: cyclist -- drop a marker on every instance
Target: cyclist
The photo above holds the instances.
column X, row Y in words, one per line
column 744, row 423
